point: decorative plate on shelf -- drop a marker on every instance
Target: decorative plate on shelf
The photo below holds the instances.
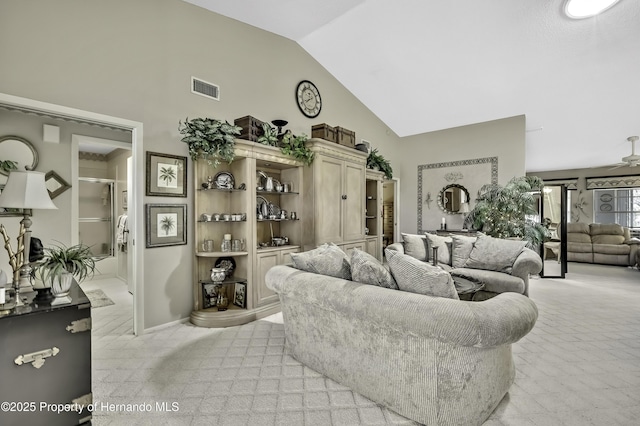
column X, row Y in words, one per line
column 228, row 264
column 259, row 201
column 224, row 180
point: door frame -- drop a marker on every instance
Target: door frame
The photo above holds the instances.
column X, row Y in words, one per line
column 137, row 179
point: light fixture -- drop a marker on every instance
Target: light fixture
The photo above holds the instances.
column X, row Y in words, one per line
column 580, row 9
column 464, row 210
column 24, row 190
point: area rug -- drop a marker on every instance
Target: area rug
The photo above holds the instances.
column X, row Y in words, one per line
column 98, row 299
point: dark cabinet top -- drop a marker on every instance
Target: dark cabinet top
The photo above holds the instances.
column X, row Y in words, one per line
column 78, row 298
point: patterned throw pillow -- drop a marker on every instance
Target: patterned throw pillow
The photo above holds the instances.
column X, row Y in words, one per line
column 419, row 277
column 494, row 254
column 444, row 247
column 367, row 269
column 461, row 249
column 415, row 246
column 327, row 259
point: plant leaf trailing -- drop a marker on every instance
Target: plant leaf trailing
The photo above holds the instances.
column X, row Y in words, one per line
column 8, row 165
column 296, row 147
column 505, row 211
column 210, row 139
column 269, row 135
column 376, row 161
column 58, row 259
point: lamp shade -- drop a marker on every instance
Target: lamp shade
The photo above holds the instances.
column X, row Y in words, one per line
column 26, row 190
column 464, row 208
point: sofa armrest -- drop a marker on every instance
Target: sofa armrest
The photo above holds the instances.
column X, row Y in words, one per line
column 501, row 320
column 399, row 247
column 528, row 262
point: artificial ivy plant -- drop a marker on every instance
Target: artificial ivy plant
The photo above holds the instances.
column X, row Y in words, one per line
column 269, row 135
column 376, row 161
column 507, row 211
column 296, row 147
column 210, row 139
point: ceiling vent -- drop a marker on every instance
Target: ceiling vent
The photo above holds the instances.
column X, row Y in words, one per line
column 204, row 88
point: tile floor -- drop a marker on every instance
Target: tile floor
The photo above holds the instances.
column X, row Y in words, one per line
column 580, row 365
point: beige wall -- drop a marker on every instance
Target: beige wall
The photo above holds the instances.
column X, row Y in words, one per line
column 503, row 138
column 134, row 60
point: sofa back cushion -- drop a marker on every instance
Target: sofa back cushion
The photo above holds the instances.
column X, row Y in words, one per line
column 327, row 259
column 607, row 233
column 461, row 249
column 444, row 248
column 415, row 276
column 494, row 254
column 578, row 233
column 367, row 269
column 415, row 246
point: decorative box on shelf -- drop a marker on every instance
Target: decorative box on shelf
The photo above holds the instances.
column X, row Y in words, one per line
column 346, row 137
column 324, row 131
column 251, row 127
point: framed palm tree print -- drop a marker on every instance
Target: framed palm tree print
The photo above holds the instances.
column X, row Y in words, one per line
column 166, row 224
column 166, row 175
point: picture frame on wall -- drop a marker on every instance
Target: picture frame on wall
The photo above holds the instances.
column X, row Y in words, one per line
column 166, row 175
column 166, row 225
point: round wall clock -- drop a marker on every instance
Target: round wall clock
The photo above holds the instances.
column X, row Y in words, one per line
column 308, row 98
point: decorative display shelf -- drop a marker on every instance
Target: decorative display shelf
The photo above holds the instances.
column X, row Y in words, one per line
column 221, row 253
column 222, row 189
column 275, row 220
column 231, row 280
column 278, row 192
column 276, row 248
column 222, row 221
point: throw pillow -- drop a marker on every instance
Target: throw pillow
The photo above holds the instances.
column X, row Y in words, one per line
column 461, row 249
column 415, row 276
column 327, row 259
column 494, row 254
column 444, row 247
column 367, row 269
column 415, row 246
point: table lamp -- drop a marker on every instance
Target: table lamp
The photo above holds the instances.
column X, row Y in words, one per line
column 24, row 190
column 464, row 210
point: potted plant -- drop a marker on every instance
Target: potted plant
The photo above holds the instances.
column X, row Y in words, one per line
column 507, row 211
column 296, row 147
column 61, row 263
column 269, row 135
column 210, row 139
column 376, row 161
column 8, row 165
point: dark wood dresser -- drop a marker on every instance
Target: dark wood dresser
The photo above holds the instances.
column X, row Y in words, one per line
column 45, row 363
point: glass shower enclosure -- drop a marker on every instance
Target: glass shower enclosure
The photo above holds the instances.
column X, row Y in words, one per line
column 96, row 213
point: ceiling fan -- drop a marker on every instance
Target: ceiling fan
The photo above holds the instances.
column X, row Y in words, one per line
column 632, row 160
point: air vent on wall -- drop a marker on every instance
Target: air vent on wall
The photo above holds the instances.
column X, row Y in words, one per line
column 204, row 88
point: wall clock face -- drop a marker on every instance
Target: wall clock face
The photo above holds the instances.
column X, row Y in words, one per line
column 308, row 98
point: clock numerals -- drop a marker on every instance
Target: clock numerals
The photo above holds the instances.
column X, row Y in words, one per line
column 308, row 98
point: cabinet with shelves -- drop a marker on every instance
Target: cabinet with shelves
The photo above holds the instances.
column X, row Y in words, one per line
column 373, row 212
column 265, row 260
column 243, row 223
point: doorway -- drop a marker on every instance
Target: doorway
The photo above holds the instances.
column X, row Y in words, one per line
column 136, row 219
column 390, row 216
column 553, row 211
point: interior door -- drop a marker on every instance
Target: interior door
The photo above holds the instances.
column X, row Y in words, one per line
column 553, row 211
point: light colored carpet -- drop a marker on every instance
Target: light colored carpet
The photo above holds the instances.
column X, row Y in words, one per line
column 98, row 299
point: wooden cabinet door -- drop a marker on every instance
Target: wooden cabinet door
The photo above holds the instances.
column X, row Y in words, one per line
column 328, row 200
column 286, row 255
column 264, row 262
column 353, row 205
column 373, row 248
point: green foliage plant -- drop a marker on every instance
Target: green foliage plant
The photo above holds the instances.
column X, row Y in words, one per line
column 59, row 259
column 296, row 147
column 376, row 161
column 507, row 211
column 269, row 135
column 210, row 139
column 8, row 165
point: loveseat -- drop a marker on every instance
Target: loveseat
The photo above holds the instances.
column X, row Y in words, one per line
column 609, row 244
column 435, row 360
column 502, row 265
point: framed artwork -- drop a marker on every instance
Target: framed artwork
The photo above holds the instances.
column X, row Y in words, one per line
column 166, row 224
column 240, row 295
column 166, row 175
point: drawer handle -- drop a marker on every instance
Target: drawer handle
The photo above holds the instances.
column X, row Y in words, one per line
column 36, row 358
column 344, row 197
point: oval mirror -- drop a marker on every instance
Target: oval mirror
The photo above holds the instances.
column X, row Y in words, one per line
column 452, row 197
column 18, row 150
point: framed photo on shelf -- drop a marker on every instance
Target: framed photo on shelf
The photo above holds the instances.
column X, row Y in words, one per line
column 166, row 224
column 166, row 175
column 240, row 295
column 209, row 295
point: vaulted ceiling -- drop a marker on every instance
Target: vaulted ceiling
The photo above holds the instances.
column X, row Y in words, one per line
column 425, row 65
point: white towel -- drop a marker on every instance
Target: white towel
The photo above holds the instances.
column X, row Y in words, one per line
column 122, row 233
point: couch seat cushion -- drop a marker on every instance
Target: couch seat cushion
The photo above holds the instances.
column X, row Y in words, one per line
column 607, row 239
column 415, row 246
column 415, row 276
column 327, row 259
column 494, row 254
column 367, row 269
column 611, row 249
column 496, row 282
column 444, row 247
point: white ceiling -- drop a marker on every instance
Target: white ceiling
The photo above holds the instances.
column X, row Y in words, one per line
column 424, row 65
